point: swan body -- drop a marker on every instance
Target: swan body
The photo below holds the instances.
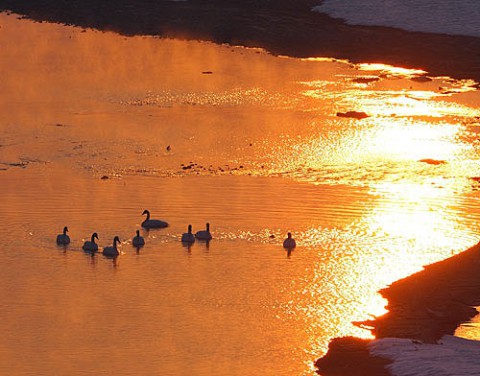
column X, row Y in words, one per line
column 138, row 241
column 289, row 242
column 91, row 246
column 188, row 237
column 204, row 234
column 112, row 251
column 63, row 238
column 152, row 223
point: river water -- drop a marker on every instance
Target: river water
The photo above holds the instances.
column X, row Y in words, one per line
column 97, row 127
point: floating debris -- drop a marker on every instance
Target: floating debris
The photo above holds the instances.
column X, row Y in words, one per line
column 432, row 161
column 353, row 114
column 365, row 80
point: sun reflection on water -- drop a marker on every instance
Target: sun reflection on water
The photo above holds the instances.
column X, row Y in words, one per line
column 415, row 153
column 385, row 68
column 409, row 103
column 410, row 135
column 408, row 226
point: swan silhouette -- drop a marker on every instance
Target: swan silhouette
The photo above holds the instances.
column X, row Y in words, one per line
column 188, row 237
column 204, row 234
column 289, row 242
column 138, row 241
column 152, row 223
column 63, row 238
column 91, row 246
column 112, row 251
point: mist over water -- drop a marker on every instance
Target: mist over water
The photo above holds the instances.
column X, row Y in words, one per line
column 443, row 16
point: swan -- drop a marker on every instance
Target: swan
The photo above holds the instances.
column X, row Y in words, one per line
column 289, row 242
column 63, row 238
column 138, row 241
column 204, row 234
column 152, row 223
column 188, row 237
column 91, row 246
column 112, row 251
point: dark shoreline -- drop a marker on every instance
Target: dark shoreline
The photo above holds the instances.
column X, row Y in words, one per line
column 282, row 27
column 424, row 307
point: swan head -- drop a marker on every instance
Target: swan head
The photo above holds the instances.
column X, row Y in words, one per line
column 94, row 235
column 65, row 230
column 116, row 239
column 138, row 233
column 189, row 229
column 208, row 226
column 289, row 235
column 146, row 212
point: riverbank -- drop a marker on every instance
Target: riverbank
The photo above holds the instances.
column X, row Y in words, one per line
column 423, row 307
column 281, row 27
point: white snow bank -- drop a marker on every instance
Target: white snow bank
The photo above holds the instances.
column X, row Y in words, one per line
column 451, row 356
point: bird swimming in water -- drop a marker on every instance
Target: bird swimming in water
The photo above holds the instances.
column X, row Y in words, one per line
column 188, row 237
column 112, row 251
column 204, row 234
column 91, row 246
column 152, row 223
column 63, row 239
column 289, row 242
column 138, row 241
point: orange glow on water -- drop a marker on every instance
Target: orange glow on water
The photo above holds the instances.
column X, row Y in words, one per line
column 257, row 149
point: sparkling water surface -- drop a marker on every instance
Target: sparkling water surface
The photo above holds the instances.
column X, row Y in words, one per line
column 256, row 150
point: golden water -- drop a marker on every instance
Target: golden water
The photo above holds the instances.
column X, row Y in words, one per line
column 257, row 151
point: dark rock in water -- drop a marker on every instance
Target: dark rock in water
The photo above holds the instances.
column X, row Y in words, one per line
column 104, row 177
column 448, row 92
column 207, row 72
column 353, row 114
column 432, row 161
column 365, row 80
column 421, row 79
